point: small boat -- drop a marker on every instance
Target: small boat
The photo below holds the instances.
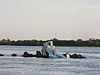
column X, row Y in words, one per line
column 49, row 50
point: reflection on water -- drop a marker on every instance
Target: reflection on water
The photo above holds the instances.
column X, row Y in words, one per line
column 43, row 66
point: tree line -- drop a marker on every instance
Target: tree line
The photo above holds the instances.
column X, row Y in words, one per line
column 79, row 42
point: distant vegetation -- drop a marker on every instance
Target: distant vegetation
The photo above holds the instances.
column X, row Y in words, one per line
column 87, row 43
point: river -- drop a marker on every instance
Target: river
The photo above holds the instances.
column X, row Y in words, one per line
column 46, row 66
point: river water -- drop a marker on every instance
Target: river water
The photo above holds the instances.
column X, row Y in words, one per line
column 46, row 66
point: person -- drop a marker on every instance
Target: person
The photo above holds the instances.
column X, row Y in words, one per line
column 43, row 50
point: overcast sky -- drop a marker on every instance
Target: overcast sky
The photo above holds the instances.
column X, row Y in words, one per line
column 46, row 19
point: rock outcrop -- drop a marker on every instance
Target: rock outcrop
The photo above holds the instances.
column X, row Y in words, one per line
column 14, row 55
column 26, row 54
column 1, row 54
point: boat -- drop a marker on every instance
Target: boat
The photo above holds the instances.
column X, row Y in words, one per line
column 49, row 50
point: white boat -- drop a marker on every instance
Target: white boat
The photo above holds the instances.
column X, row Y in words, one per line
column 49, row 50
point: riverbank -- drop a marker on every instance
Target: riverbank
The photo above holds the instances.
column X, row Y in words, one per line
column 75, row 43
